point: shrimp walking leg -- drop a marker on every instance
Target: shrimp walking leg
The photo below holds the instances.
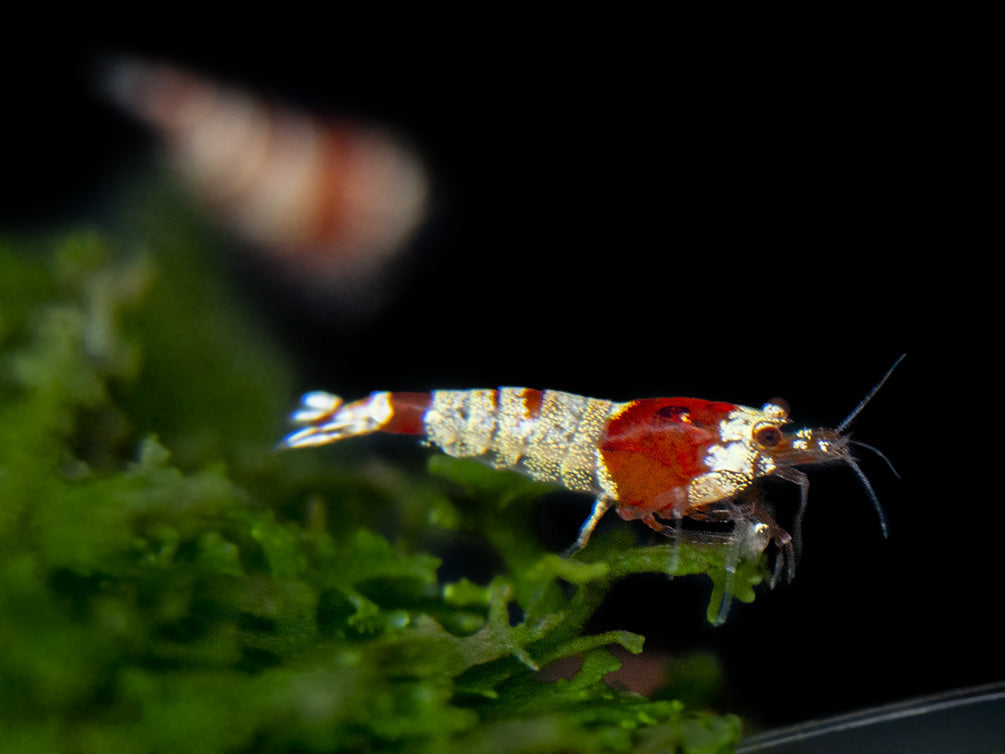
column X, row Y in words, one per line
column 600, row 506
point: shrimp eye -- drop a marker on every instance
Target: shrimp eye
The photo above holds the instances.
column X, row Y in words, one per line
column 674, row 414
column 769, row 437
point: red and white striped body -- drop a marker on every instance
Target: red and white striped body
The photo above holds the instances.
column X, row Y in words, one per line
column 658, row 458
column 330, row 198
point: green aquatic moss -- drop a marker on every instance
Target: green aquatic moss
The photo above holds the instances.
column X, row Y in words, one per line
column 171, row 582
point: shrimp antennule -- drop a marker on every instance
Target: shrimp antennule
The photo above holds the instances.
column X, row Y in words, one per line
column 851, row 461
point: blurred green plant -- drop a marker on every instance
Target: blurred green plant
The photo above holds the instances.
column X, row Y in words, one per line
column 185, row 591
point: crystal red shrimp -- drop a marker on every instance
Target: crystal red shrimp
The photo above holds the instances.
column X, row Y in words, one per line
column 327, row 199
column 657, row 459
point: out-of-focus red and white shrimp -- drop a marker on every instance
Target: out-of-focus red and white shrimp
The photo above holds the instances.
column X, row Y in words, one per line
column 657, row 459
column 331, row 198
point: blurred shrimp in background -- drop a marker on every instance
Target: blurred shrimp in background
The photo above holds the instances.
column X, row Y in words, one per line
column 329, row 203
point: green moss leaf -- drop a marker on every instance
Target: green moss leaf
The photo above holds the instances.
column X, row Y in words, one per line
column 170, row 582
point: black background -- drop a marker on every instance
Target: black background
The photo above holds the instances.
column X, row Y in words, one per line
column 618, row 217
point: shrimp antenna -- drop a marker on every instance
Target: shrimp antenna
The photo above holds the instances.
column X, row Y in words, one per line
column 872, row 496
column 878, row 452
column 851, row 461
column 858, row 409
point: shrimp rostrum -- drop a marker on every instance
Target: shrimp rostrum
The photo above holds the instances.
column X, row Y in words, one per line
column 660, row 460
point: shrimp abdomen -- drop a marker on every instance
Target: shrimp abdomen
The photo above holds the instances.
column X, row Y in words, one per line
column 547, row 435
